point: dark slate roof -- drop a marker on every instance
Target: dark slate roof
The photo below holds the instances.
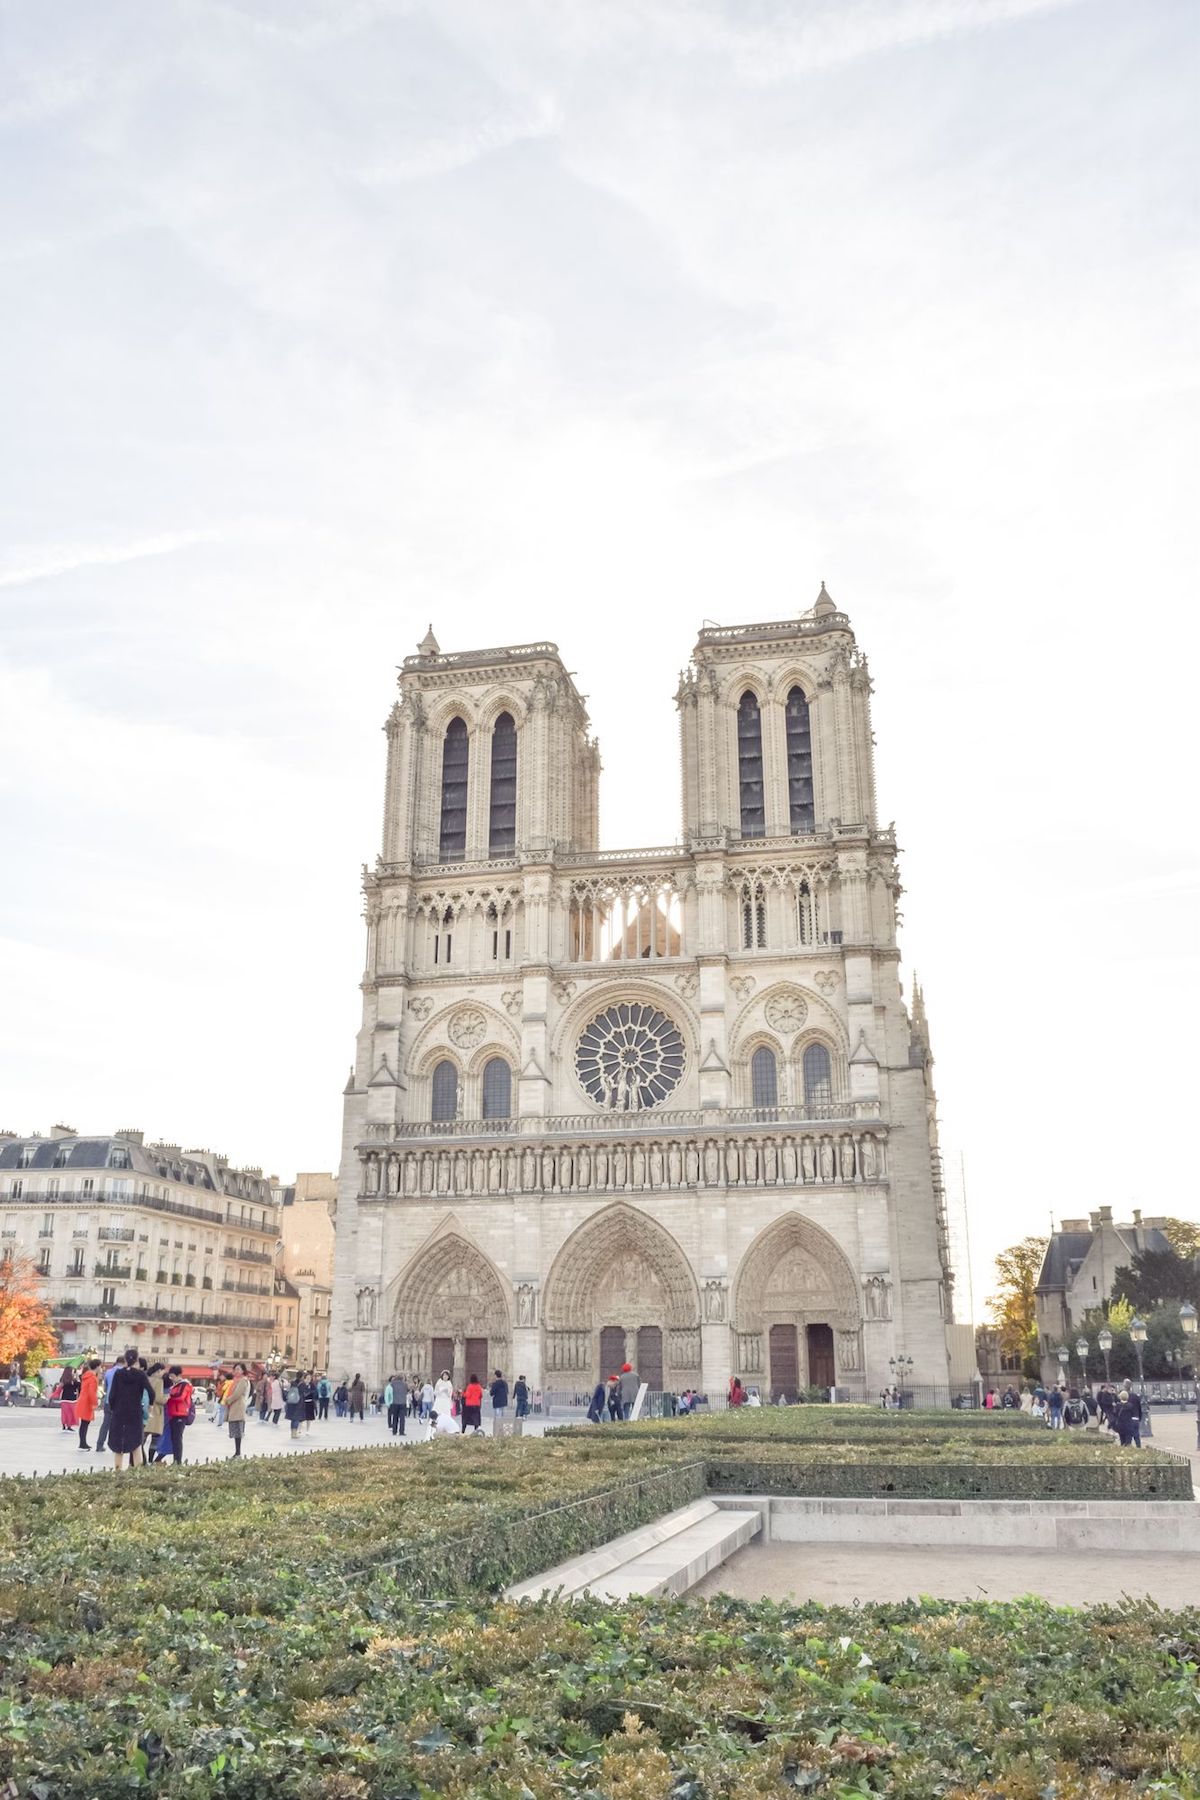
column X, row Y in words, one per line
column 156, row 1161
column 1064, row 1253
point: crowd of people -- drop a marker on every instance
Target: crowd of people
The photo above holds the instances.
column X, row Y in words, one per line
column 1121, row 1410
column 144, row 1408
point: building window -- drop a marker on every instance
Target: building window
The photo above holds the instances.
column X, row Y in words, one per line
column 497, row 1089
column 750, row 766
column 754, row 919
column 16, row 1187
column 502, row 815
column 799, row 761
column 455, row 759
column 443, row 940
column 764, row 1078
column 818, row 1076
column 43, row 1262
column 108, row 1296
column 805, row 911
column 118, row 1158
column 445, row 1092
column 60, row 1157
column 25, row 1159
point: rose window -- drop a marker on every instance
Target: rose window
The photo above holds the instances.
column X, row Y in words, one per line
column 630, row 1057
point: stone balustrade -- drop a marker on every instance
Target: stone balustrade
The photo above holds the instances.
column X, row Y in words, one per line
column 847, row 1155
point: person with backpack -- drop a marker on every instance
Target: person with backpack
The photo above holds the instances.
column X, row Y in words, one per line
column 521, row 1396
column 341, row 1399
column 1055, row 1401
column 499, row 1395
column 180, row 1409
column 324, row 1395
column 1074, row 1411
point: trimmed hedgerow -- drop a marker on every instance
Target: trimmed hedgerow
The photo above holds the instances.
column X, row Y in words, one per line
column 944, row 1477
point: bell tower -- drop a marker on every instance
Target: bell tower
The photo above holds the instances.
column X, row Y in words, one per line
column 489, row 752
column 775, row 730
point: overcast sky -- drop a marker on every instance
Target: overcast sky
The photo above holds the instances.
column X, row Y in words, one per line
column 322, row 319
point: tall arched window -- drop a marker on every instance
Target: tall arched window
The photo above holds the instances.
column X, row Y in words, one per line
column 764, row 1078
column 502, row 815
column 750, row 766
column 754, row 918
column 455, row 757
column 804, row 902
column 445, row 1092
column 799, row 762
column 497, row 1089
column 818, row 1076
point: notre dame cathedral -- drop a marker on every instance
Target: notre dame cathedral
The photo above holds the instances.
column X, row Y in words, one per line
column 665, row 1105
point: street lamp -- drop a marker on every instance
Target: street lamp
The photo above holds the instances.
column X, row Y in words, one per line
column 1189, row 1321
column 1064, row 1357
column 902, row 1368
column 1137, row 1331
column 1105, row 1343
column 1081, row 1350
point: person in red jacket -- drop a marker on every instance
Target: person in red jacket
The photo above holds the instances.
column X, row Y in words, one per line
column 85, row 1406
column 180, row 1409
column 472, row 1401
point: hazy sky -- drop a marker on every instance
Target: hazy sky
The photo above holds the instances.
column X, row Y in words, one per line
column 325, row 318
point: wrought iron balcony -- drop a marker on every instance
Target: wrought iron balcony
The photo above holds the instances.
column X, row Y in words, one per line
column 113, row 1271
column 116, row 1234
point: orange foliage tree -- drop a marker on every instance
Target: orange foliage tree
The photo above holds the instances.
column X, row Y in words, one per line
column 25, row 1328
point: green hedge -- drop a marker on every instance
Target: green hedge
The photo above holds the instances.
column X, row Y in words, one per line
column 882, row 1478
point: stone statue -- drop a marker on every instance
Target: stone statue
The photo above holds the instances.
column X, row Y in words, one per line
column 371, row 1173
column 494, row 1172
column 566, row 1169
column 868, row 1160
column 733, row 1164
column 770, row 1163
column 584, row 1176
column 847, row 1158
column 656, row 1166
column 547, row 1170
column 601, row 1167
column 788, row 1160
column 528, row 1170
column 526, row 1304
column 827, row 1169
column 712, row 1169
column 714, row 1302
column 674, row 1166
column 366, row 1306
column 808, row 1161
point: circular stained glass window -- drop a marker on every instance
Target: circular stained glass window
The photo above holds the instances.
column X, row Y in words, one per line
column 630, row 1057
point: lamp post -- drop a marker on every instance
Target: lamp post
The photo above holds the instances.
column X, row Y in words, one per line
column 902, row 1368
column 1064, row 1357
column 1105, row 1343
column 1137, row 1331
column 1189, row 1321
column 1081, row 1350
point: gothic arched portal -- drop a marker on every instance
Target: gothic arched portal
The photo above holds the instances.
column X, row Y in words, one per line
column 450, row 1295
column 796, row 1313
column 621, row 1289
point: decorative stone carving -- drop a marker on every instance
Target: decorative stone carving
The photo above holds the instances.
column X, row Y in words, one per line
column 527, row 1300
column 511, row 1000
column 467, row 1028
column 786, row 1012
column 683, row 1351
column 849, row 1352
column 742, row 985
column 825, row 982
column 868, row 1158
column 750, row 1356
column 563, row 991
column 366, row 1300
column 687, row 985
column 630, row 1057
column 877, row 1297
column 421, row 1007
column 714, row 1302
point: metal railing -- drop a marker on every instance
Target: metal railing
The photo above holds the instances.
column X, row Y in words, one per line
column 114, row 1234
column 113, row 1271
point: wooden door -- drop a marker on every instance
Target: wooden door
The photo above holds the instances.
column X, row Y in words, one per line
column 649, row 1357
column 441, row 1357
column 612, row 1350
column 476, row 1362
column 821, row 1370
column 785, row 1362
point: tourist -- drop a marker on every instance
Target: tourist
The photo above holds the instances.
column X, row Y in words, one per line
column 68, row 1395
column 1129, row 1418
column 85, row 1405
column 106, row 1403
column 276, row 1399
column 1106, row 1401
column 1090, row 1407
column 1055, row 1403
column 989, row 1400
column 472, row 1404
column 614, row 1397
column 595, row 1410
column 1010, row 1400
column 443, row 1391
column 737, row 1393
column 444, row 1423
column 324, row 1395
column 125, row 1410
column 180, row 1409
column 629, row 1389
column 414, row 1396
column 293, row 1405
column 358, row 1397
column 341, row 1399
column 309, row 1391
column 521, row 1396
column 155, row 1416
column 1074, row 1411
column 498, row 1393
column 428, row 1396
column 236, row 1396
column 397, row 1405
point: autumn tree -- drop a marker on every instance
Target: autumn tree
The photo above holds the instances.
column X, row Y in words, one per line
column 1014, row 1305
column 25, row 1329
column 1183, row 1235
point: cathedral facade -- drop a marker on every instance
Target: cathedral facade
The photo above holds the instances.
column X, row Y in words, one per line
column 663, row 1106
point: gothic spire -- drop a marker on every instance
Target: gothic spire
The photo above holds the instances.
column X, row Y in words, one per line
column 429, row 645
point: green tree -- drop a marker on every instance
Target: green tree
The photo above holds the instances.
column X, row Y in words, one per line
column 1155, row 1277
column 1183, row 1235
column 1014, row 1305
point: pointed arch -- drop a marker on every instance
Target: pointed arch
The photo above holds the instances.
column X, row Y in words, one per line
column 794, row 1270
column 799, row 745
column 502, row 797
column 751, row 791
column 591, row 1251
column 621, row 1279
column 449, row 1290
column 456, row 756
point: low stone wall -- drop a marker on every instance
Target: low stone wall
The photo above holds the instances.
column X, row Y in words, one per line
column 1127, row 1525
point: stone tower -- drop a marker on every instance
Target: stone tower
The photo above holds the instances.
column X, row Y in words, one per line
column 658, row 1106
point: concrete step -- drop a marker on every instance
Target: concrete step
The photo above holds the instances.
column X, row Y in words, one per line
column 656, row 1558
